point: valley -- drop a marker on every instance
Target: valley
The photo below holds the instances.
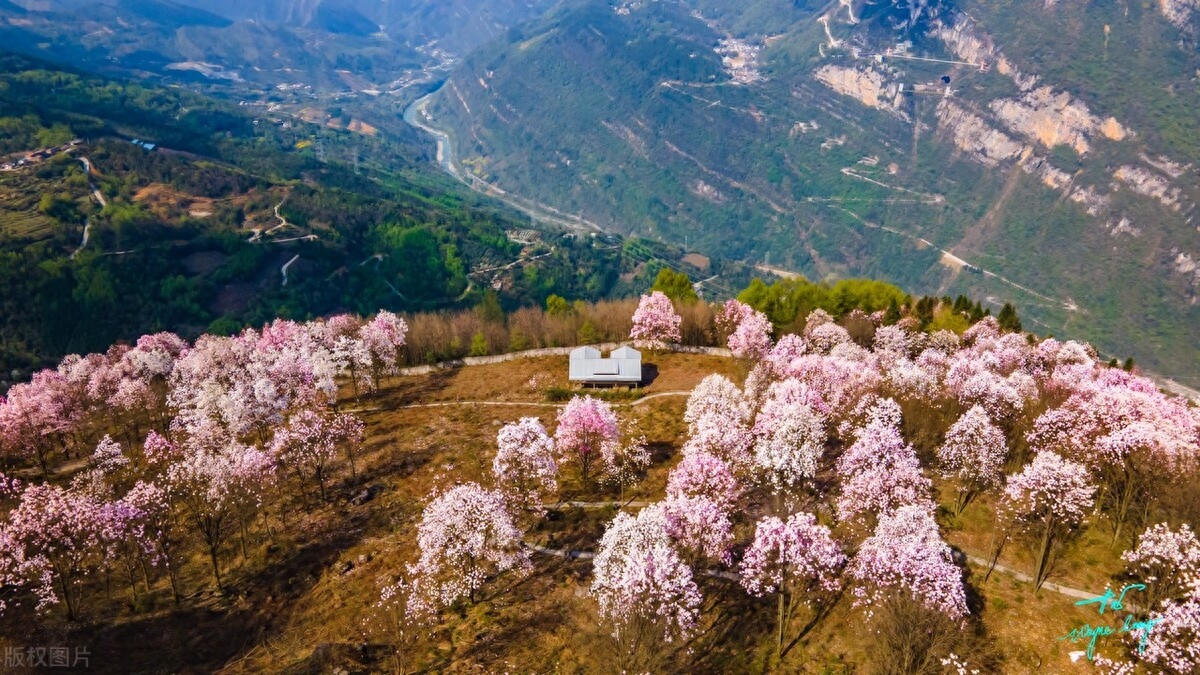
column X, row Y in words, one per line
column 845, row 124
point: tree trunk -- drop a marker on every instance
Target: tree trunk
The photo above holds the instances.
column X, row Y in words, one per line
column 1043, row 556
column 212, row 555
column 242, row 537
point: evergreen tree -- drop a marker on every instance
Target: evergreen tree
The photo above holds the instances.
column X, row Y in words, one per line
column 1008, row 319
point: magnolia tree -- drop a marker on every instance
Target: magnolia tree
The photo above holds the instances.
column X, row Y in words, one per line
column 1166, row 561
column 524, row 467
column 972, row 456
column 588, row 435
column 717, row 415
column 310, row 442
column 218, row 492
column 913, row 592
column 655, row 321
column 789, row 436
column 644, row 589
column 1131, row 437
column 36, row 418
column 880, row 473
column 1168, row 641
column 700, row 474
column 700, row 528
column 1046, row 504
column 629, row 458
column 1172, row 643
column 906, row 554
column 466, row 535
column 382, row 339
column 51, row 542
column 796, row 560
column 164, row 535
column 747, row 330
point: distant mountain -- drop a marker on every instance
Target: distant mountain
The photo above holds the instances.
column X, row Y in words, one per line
column 1036, row 152
column 160, row 37
column 456, row 25
column 330, row 45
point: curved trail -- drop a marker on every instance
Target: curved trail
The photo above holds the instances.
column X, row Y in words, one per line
column 283, row 270
column 527, row 404
column 588, row 555
column 98, row 196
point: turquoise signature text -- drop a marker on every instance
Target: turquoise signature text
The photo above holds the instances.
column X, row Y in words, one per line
column 1114, row 601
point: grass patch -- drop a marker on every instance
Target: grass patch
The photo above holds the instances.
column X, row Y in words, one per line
column 561, row 394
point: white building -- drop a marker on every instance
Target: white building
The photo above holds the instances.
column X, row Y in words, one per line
column 623, row 366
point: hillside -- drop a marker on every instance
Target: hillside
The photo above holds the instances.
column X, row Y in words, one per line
column 321, row 527
column 197, row 233
column 1038, row 153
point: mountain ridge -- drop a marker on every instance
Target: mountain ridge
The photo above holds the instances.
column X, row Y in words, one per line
column 826, row 137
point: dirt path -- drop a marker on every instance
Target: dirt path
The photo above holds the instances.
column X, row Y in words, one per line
column 527, row 404
column 588, row 555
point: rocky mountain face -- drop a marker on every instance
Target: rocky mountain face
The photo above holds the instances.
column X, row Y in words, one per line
column 1028, row 151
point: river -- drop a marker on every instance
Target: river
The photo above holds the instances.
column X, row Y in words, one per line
column 416, row 116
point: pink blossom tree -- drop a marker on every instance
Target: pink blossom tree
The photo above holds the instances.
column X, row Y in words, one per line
column 700, row 529
column 307, row 445
column 1166, row 561
column 626, row 460
column 906, row 554
column 972, row 456
column 162, row 528
column 395, row 623
column 1046, row 503
column 879, row 474
column 1131, row 436
column 128, row 539
column 50, row 544
column 644, row 589
column 348, row 433
column 466, row 536
column 717, row 415
column 748, row 330
column 700, row 474
column 382, row 338
column 218, row 490
column 587, row 432
column 524, row 466
column 655, row 321
column 797, row 561
column 789, row 436
column 1172, row 642
column 37, row 417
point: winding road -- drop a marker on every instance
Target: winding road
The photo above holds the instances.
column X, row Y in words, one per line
column 417, row 115
column 98, row 196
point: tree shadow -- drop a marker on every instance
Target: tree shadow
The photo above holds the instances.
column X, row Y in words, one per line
column 649, row 374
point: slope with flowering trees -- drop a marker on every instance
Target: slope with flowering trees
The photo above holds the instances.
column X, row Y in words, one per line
column 838, row 475
column 183, row 447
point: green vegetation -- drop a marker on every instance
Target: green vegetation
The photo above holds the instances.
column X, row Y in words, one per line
column 787, row 303
column 675, row 285
column 176, row 246
column 785, row 170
